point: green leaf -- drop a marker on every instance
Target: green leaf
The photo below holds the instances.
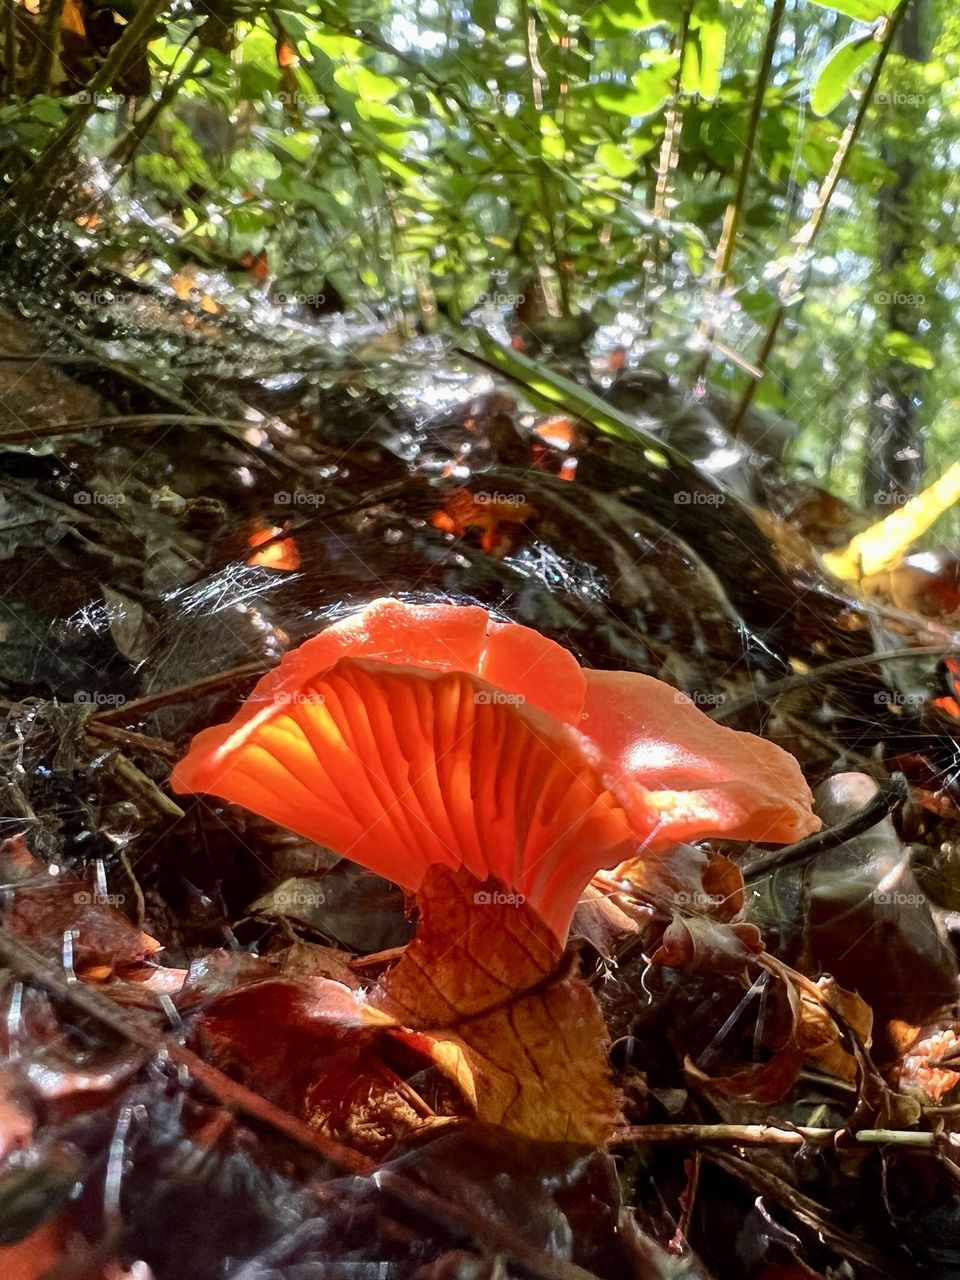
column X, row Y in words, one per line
column 862, row 10
column 614, row 161
column 252, row 168
column 615, row 16
column 299, row 146
column 838, row 72
column 46, row 110
column 648, row 90
column 703, row 58
column 907, row 349
column 366, row 85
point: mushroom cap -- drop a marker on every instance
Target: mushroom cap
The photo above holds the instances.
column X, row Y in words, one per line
column 408, row 735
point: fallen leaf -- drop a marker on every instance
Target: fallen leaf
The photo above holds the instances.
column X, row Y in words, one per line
column 61, row 913
column 520, row 1033
column 303, row 1045
column 707, row 946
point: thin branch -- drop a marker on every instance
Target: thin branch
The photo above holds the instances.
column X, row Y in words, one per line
column 816, row 675
column 135, row 32
column 735, row 209
column 767, row 1135
column 10, row 48
column 48, row 47
column 891, row 794
column 813, row 1216
column 811, row 231
column 137, row 708
column 666, row 162
column 125, row 148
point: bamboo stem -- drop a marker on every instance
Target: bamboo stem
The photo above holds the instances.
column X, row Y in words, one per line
column 814, row 225
column 727, row 243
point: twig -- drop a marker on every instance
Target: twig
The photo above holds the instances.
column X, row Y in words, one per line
column 48, row 47
column 125, row 148
column 814, row 225
column 137, row 708
column 817, row 674
column 666, row 162
column 767, row 1135
column 10, row 52
column 134, row 33
column 132, row 740
column 811, row 1214
column 735, row 209
column 138, row 421
column 892, row 793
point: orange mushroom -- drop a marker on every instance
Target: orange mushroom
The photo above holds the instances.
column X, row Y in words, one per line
column 406, row 735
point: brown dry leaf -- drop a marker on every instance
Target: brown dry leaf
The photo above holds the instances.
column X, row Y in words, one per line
column 601, row 920
column 707, row 946
column 72, row 19
column 186, row 288
column 520, row 1033
column 723, row 885
column 814, row 1036
column 47, row 910
column 286, row 54
column 32, row 1258
column 301, row 1044
column 821, row 1037
column 689, row 877
column 16, row 1122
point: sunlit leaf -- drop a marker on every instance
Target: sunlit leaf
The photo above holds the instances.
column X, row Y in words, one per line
column 907, row 349
column 703, row 58
column 837, row 74
column 614, row 160
column 862, row 10
column 365, row 84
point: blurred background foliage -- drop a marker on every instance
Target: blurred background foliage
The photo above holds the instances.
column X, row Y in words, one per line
column 736, row 188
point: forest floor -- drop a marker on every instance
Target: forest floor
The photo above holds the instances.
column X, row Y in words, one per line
column 186, row 492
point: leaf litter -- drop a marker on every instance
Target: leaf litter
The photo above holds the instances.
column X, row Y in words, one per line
column 220, row 1056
